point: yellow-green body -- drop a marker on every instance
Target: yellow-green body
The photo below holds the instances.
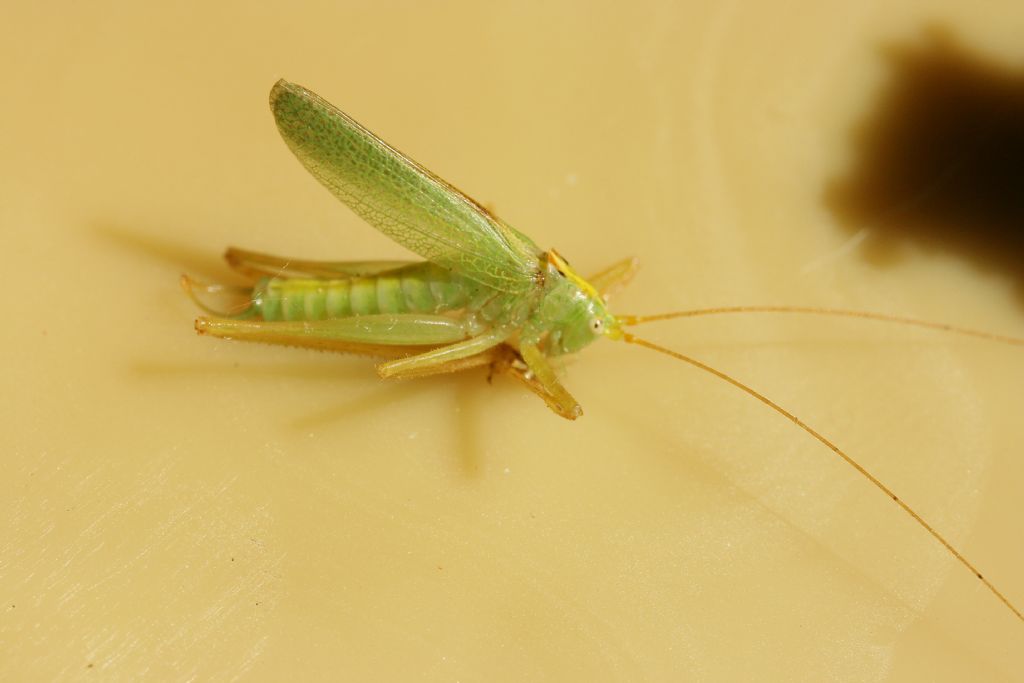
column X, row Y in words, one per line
column 486, row 295
column 560, row 313
column 416, row 288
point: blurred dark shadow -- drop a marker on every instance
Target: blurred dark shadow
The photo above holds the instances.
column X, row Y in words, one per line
column 690, row 465
column 471, row 387
column 166, row 252
column 939, row 162
column 471, row 401
column 386, row 397
column 354, row 369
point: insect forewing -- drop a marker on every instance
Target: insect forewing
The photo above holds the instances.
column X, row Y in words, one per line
column 399, row 197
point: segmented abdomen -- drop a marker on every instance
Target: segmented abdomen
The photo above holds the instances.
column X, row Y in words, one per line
column 419, row 288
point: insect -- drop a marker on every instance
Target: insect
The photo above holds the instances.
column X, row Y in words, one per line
column 486, row 295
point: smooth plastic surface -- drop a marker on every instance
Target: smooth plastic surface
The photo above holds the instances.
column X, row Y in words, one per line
column 181, row 508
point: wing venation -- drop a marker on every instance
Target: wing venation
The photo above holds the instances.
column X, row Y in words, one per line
column 399, row 197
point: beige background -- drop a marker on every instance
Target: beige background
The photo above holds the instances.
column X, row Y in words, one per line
column 179, row 508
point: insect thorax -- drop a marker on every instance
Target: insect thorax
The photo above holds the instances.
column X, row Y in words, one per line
column 571, row 313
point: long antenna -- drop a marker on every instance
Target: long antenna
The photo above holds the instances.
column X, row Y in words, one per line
column 835, row 312
column 838, row 451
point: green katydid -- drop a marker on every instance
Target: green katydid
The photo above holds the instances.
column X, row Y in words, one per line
column 486, row 296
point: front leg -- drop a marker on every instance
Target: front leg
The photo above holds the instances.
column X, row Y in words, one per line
column 542, row 381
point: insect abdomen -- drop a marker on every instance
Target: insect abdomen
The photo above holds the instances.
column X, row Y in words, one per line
column 413, row 289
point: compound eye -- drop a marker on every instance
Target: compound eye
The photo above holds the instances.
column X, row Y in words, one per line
column 596, row 325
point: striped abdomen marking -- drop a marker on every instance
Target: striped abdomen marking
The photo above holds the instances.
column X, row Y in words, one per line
column 418, row 288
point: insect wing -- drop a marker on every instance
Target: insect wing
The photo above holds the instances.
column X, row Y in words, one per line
column 399, row 197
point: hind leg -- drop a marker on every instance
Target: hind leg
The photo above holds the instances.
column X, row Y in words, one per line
column 257, row 265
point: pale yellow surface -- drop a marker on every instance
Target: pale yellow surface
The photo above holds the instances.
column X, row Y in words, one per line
column 179, row 508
